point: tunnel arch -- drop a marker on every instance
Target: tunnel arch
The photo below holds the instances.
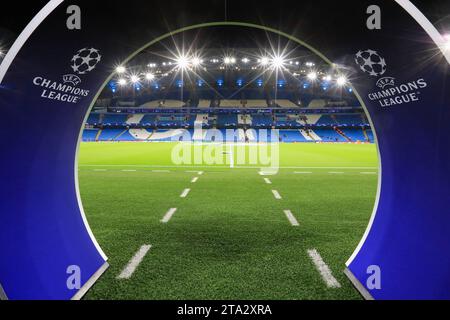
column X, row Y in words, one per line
column 33, row 278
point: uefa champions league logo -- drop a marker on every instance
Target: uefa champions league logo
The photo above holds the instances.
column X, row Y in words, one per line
column 391, row 93
column 85, row 60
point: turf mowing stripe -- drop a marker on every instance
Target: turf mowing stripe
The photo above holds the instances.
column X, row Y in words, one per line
column 185, row 193
column 194, row 180
column 323, row 269
column 169, row 215
column 267, row 180
column 276, row 194
column 291, row 218
column 134, row 262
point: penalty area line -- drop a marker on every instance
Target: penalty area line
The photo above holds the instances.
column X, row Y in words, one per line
column 267, row 180
column 134, row 263
column 194, row 180
column 323, row 269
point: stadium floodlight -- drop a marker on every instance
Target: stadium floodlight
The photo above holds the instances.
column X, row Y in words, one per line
column 182, row 62
column 196, row 62
column 122, row 82
column 246, row 60
column 229, row 60
column 121, row 69
column 327, row 78
column 264, row 61
column 341, row 81
column 134, row 79
column 312, row 76
column 149, row 76
column 278, row 62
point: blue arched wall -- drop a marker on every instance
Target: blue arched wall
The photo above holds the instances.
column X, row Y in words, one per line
column 42, row 225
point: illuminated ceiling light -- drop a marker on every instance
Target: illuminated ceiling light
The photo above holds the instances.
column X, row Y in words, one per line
column 149, row 76
column 182, row 62
column 264, row 61
column 312, row 76
column 120, row 69
column 134, row 79
column 122, row 82
column 341, row 81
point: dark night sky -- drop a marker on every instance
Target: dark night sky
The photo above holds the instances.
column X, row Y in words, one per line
column 17, row 16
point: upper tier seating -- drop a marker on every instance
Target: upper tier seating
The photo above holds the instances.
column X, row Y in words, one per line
column 114, row 119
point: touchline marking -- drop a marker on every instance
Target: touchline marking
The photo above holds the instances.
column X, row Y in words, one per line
column 194, row 180
column 336, row 172
column 298, row 172
column 291, row 218
column 129, row 170
column 100, row 170
column 169, row 215
column 185, row 193
column 134, row 262
column 267, row 180
column 323, row 269
column 161, row 171
column 368, row 172
column 276, row 194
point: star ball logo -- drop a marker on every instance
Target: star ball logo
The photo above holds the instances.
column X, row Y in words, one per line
column 83, row 62
column 372, row 63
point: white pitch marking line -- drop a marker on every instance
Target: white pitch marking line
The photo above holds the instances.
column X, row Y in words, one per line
column 134, row 262
column 185, row 193
column 169, row 215
column 291, row 218
column 129, row 170
column 161, row 171
column 276, row 194
column 99, row 170
column 302, row 172
column 267, row 180
column 368, row 172
column 323, row 269
column 200, row 173
column 194, row 180
column 336, row 172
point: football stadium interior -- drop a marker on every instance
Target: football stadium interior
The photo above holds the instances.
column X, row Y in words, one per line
column 226, row 229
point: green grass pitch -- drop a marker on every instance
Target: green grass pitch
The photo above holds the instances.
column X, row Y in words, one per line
column 230, row 237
